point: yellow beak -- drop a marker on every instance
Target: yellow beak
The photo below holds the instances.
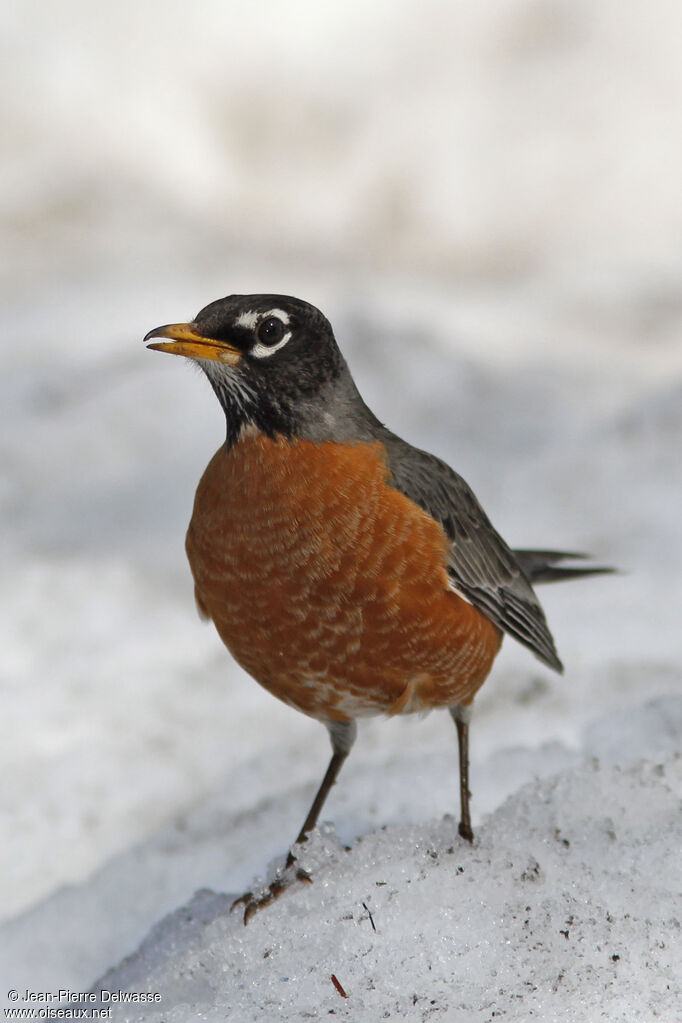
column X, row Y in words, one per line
column 187, row 339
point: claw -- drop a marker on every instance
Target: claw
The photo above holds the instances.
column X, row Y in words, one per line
column 465, row 831
column 253, row 902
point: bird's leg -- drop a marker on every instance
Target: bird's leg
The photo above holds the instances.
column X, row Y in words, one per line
column 342, row 735
column 462, row 716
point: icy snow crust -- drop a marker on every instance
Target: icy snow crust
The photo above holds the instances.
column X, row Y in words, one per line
column 561, row 910
column 485, row 201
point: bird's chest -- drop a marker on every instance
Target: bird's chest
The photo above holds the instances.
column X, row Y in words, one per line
column 285, row 551
column 317, row 573
column 272, row 517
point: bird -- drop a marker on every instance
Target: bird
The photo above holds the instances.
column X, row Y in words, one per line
column 348, row 572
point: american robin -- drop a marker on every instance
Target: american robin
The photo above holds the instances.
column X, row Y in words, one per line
column 348, row 572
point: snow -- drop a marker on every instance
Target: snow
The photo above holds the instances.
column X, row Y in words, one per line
column 489, row 212
column 559, row 905
column 563, row 902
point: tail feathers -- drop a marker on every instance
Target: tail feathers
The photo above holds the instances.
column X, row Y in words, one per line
column 545, row 567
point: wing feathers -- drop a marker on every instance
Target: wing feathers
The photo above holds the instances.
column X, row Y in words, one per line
column 481, row 564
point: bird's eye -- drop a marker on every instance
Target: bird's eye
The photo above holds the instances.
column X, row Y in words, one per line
column 270, row 331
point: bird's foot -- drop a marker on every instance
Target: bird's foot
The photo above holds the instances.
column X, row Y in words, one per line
column 253, row 901
column 318, row 850
column 465, row 831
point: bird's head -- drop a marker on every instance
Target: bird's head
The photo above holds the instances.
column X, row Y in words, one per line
column 270, row 359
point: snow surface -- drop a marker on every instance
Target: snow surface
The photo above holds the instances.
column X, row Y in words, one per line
column 562, row 904
column 486, row 203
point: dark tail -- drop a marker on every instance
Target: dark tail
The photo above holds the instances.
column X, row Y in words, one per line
column 545, row 567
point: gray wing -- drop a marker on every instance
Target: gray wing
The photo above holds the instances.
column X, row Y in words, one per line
column 481, row 565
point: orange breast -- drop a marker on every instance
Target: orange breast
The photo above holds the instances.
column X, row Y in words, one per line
column 328, row 585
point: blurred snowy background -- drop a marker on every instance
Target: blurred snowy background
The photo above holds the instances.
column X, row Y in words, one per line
column 485, row 200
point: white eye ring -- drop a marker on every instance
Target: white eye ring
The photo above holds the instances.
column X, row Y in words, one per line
column 263, row 351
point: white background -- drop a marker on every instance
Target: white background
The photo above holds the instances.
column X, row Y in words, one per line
column 485, row 200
